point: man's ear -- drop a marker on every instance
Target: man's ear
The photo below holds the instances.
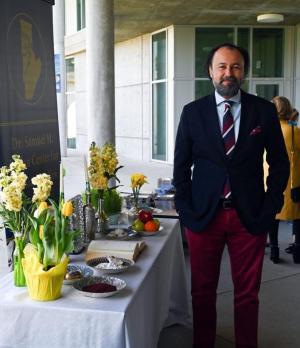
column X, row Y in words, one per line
column 210, row 73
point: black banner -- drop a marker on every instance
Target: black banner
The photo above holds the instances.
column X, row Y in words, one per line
column 28, row 109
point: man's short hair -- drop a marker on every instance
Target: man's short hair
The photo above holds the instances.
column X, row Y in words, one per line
column 244, row 53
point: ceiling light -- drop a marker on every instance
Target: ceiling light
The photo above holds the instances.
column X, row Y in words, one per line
column 270, row 18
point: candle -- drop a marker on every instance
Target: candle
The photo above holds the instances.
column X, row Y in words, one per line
column 86, row 170
column 61, row 179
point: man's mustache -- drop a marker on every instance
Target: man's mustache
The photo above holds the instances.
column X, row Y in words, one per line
column 230, row 78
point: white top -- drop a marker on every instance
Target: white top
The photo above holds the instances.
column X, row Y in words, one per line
column 235, row 110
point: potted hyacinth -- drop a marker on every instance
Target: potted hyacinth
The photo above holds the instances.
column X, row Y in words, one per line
column 45, row 226
column 16, row 208
column 45, row 262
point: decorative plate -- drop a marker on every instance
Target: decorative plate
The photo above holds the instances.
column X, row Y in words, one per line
column 121, row 234
column 102, row 264
column 103, row 282
column 84, row 270
column 150, row 234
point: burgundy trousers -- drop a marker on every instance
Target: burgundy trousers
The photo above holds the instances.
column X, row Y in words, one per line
column 246, row 258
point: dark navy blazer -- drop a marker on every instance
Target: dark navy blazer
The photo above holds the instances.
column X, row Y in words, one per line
column 201, row 166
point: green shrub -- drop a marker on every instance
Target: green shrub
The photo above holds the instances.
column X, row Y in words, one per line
column 112, row 202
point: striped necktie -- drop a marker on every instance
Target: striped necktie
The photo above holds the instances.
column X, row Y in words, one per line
column 229, row 140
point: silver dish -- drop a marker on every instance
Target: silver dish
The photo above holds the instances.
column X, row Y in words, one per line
column 118, row 283
column 117, row 233
column 84, row 270
column 150, row 234
column 99, row 265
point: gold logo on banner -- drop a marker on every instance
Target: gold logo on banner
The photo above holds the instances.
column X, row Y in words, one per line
column 31, row 63
column 26, row 58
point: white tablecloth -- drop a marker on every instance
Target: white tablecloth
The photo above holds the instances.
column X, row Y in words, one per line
column 155, row 296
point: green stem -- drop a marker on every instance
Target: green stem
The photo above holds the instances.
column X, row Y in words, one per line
column 19, row 277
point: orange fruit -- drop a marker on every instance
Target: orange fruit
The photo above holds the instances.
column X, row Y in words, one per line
column 150, row 226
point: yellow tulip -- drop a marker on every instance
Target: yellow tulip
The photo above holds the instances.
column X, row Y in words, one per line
column 42, row 206
column 41, row 231
column 67, row 209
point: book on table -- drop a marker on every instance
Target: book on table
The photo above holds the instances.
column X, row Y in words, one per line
column 125, row 249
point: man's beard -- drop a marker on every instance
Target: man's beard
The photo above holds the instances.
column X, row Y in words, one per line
column 228, row 90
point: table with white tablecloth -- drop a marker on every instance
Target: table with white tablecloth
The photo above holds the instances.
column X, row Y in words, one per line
column 155, row 296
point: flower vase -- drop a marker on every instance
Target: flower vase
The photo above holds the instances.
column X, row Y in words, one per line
column 133, row 213
column 102, row 219
column 135, row 206
column 18, row 255
column 44, row 285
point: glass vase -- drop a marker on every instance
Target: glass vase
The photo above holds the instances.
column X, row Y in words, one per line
column 18, row 255
column 133, row 212
column 102, row 219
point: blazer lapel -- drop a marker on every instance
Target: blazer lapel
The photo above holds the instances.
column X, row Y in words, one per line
column 212, row 126
column 248, row 120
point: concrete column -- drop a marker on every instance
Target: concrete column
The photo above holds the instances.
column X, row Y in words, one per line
column 100, row 71
column 59, row 50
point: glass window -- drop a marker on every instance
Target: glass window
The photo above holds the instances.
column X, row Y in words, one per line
column 267, row 91
column 70, row 75
column 245, row 85
column 267, row 53
column 71, row 103
column 243, row 38
column 159, row 96
column 80, row 14
column 203, row 88
column 71, row 121
column 206, row 39
column 159, row 131
column 159, row 56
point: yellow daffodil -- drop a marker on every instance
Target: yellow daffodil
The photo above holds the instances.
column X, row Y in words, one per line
column 138, row 180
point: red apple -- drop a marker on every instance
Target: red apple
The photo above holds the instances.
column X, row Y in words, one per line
column 145, row 215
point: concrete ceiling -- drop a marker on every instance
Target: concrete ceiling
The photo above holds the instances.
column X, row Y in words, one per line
column 137, row 17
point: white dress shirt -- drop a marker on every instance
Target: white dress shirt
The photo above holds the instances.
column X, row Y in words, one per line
column 235, row 110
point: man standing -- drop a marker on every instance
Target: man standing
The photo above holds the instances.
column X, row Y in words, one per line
column 221, row 201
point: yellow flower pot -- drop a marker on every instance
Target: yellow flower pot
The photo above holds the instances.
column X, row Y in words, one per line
column 43, row 285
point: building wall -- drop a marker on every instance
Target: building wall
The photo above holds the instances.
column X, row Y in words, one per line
column 184, row 70
column 70, row 16
column 81, row 106
column 132, row 95
column 133, row 86
column 75, row 47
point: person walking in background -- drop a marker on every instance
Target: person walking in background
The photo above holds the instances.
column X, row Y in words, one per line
column 220, row 196
column 290, row 210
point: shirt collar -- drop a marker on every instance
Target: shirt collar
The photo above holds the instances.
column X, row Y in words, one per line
column 219, row 99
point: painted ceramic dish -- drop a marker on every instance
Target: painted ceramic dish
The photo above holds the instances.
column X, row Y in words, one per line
column 108, row 266
column 99, row 286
